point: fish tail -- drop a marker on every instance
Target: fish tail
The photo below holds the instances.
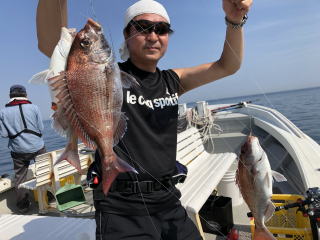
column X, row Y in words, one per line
column 263, row 234
column 71, row 153
column 72, row 157
column 109, row 173
column 123, row 166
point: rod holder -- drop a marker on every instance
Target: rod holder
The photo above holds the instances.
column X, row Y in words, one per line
column 202, row 109
column 182, row 109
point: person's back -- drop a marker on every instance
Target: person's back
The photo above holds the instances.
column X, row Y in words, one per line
column 21, row 122
column 11, row 119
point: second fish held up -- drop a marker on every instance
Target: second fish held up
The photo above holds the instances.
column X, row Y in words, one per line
column 254, row 177
column 90, row 99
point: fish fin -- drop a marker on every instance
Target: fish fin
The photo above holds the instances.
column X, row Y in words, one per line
column 67, row 111
column 59, row 124
column 269, row 210
column 68, row 35
column 71, row 152
column 267, row 179
column 58, row 82
column 278, row 176
column 263, row 234
column 123, row 166
column 121, row 129
column 128, row 80
column 111, row 169
column 41, row 77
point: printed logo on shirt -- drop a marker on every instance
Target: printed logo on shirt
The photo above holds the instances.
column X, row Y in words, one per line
column 170, row 100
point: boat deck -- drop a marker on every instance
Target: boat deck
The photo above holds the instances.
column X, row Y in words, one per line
column 31, row 227
column 236, row 127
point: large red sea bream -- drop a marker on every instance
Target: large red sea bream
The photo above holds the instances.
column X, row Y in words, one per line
column 90, row 97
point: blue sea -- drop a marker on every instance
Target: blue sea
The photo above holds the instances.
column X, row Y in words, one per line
column 301, row 106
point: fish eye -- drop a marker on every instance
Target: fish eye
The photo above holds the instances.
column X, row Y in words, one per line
column 85, row 43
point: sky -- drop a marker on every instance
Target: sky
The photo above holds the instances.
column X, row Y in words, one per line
column 282, row 44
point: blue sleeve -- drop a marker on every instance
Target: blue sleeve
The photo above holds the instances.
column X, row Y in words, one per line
column 3, row 130
column 39, row 119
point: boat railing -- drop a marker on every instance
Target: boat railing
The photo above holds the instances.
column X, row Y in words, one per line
column 273, row 116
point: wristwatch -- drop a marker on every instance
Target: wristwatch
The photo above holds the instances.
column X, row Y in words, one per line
column 236, row 25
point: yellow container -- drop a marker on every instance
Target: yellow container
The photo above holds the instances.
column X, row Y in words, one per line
column 63, row 181
column 66, row 180
column 287, row 224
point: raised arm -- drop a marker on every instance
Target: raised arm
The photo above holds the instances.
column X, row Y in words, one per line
column 231, row 57
column 51, row 16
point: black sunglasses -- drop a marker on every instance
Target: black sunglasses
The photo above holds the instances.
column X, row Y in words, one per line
column 148, row 27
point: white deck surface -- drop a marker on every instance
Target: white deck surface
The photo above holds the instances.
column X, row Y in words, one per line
column 20, row 227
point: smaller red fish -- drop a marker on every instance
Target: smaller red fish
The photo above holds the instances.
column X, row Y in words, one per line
column 254, row 178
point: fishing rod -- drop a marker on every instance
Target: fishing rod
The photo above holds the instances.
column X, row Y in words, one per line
column 232, row 106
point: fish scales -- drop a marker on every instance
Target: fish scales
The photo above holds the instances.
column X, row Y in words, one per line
column 96, row 119
column 90, row 100
column 254, row 178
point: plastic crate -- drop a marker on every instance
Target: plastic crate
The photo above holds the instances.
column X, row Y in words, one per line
column 287, row 224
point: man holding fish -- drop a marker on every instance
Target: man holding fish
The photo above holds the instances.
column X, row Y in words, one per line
column 134, row 129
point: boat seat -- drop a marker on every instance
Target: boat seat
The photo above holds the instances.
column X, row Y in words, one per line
column 50, row 178
column 205, row 170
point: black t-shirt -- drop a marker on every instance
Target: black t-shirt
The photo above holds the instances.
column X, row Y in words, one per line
column 149, row 144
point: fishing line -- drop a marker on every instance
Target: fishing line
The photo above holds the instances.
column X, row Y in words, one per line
column 94, row 14
column 237, row 57
column 95, row 17
column 84, row 15
column 90, row 143
column 133, row 161
column 141, row 194
column 112, row 43
column 263, row 93
column 93, row 11
column 293, row 177
column 168, row 190
column 249, row 171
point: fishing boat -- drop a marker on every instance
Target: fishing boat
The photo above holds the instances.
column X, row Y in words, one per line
column 221, row 129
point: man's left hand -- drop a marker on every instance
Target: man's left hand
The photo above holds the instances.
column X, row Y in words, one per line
column 236, row 9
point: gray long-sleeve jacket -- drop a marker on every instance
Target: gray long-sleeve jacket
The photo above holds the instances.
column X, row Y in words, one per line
column 11, row 123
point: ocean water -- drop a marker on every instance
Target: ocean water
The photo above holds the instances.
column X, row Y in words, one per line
column 302, row 107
